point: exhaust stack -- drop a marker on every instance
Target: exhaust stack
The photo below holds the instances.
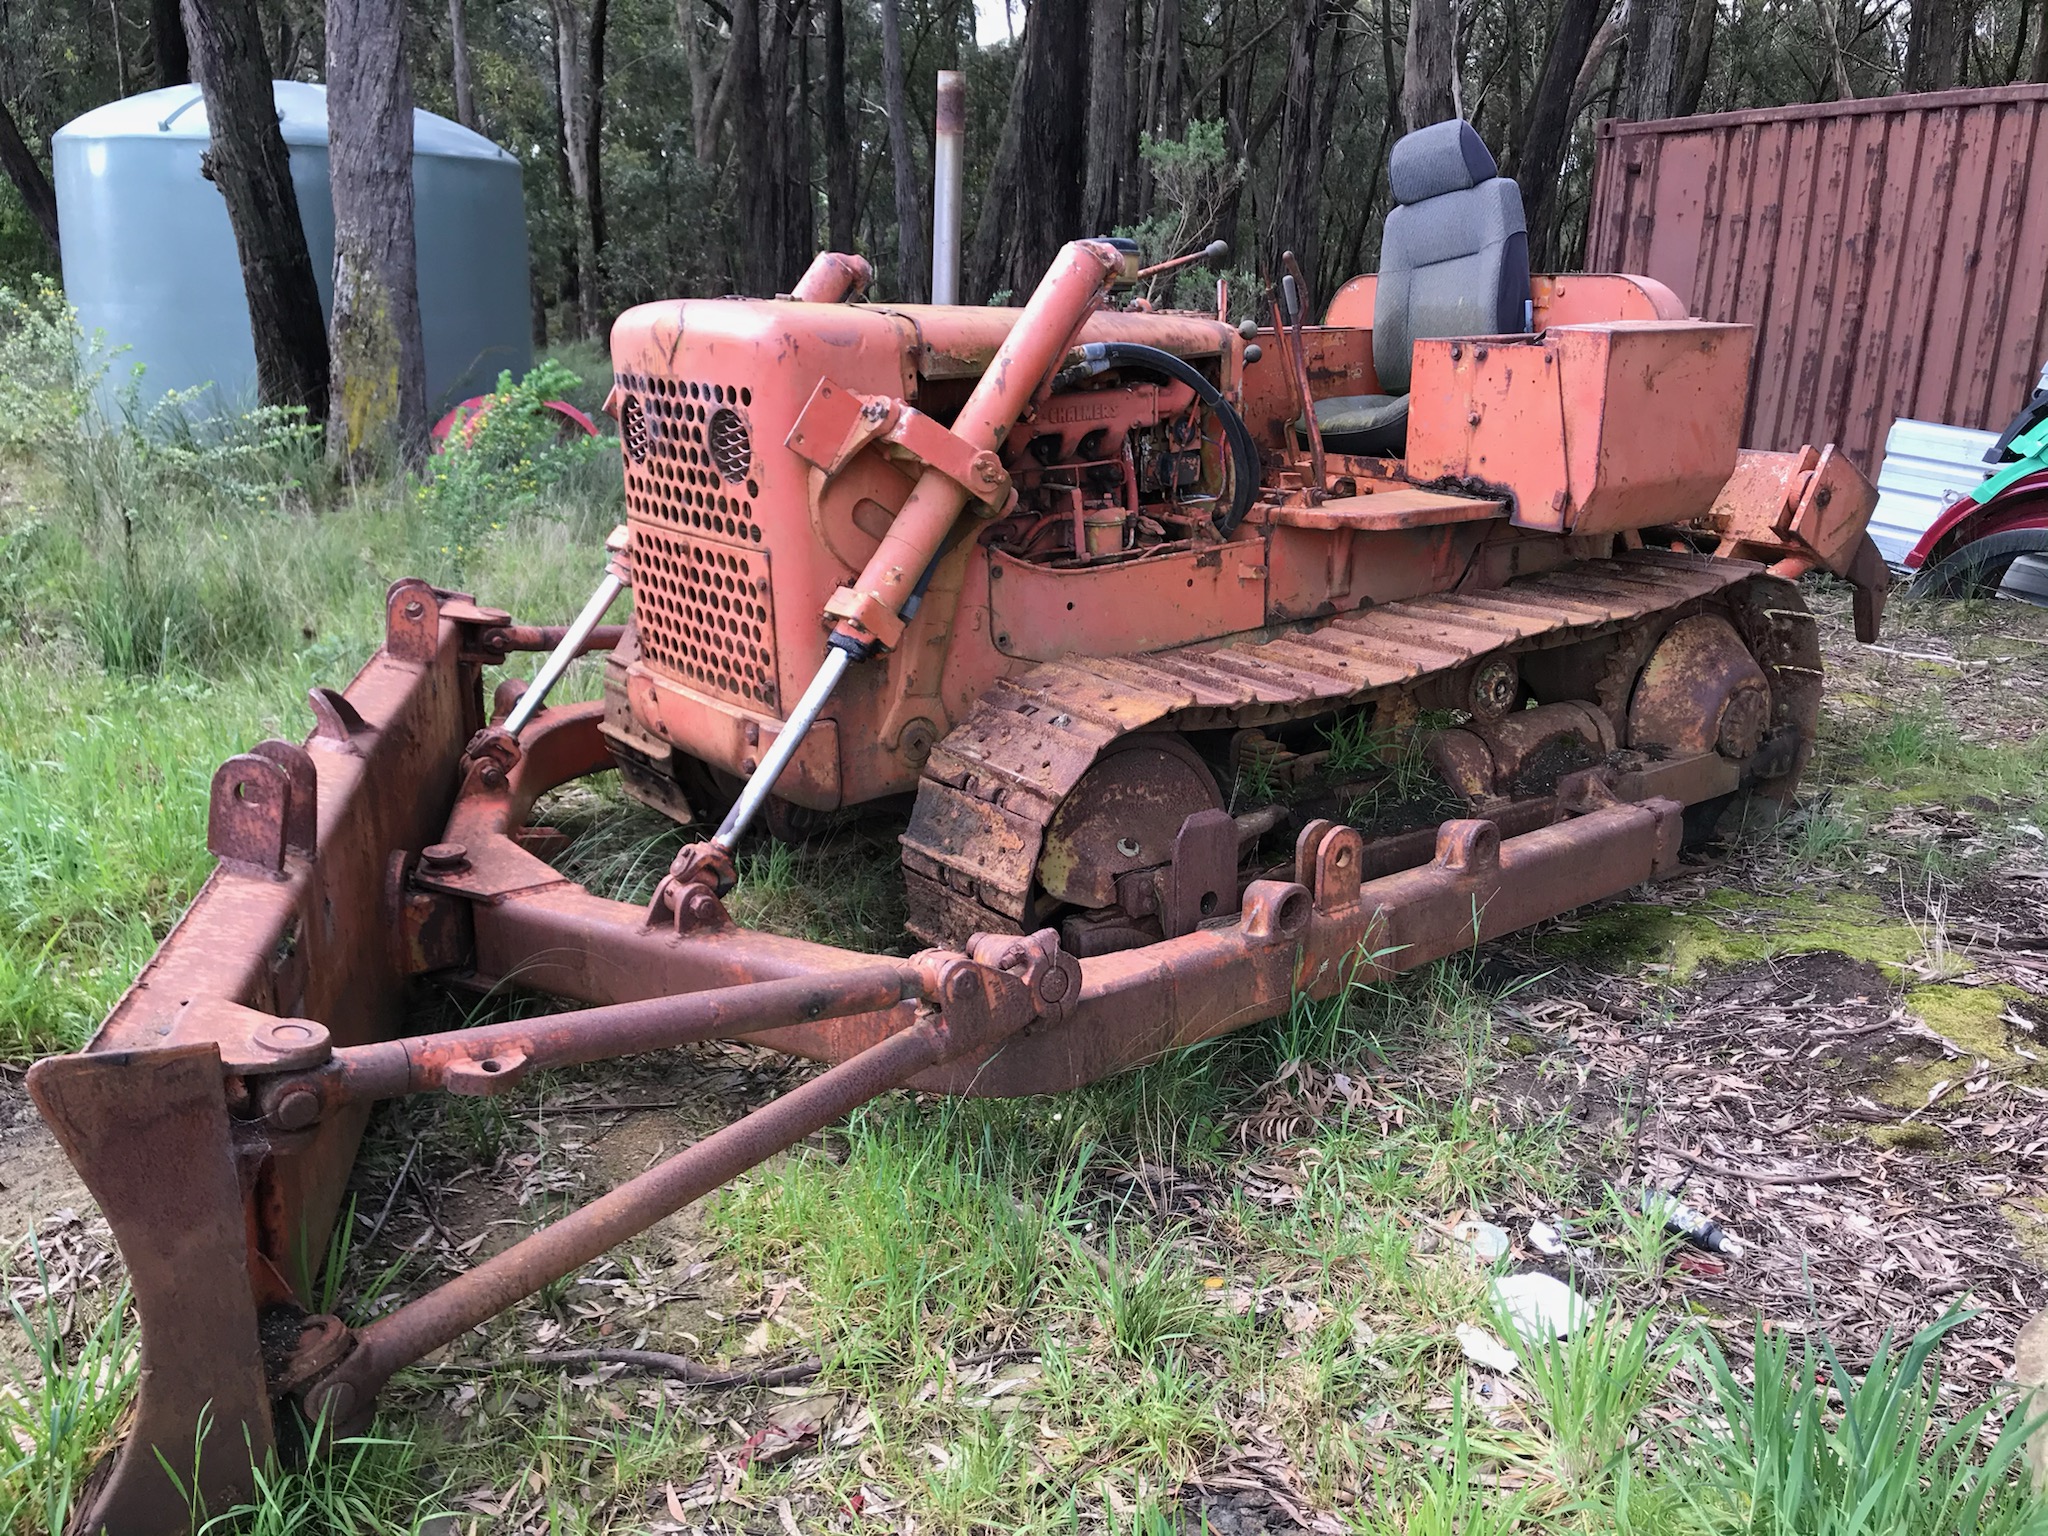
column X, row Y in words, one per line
column 947, row 173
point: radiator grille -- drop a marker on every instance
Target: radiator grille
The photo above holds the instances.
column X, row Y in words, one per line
column 706, row 614
column 694, row 465
column 701, row 577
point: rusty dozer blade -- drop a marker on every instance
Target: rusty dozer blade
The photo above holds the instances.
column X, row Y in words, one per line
column 216, row 1114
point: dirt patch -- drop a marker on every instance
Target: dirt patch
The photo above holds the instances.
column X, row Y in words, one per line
column 1772, row 1094
column 36, row 1180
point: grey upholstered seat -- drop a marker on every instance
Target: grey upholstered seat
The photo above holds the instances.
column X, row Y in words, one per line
column 1454, row 261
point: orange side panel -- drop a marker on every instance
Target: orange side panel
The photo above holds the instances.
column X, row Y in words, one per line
column 1039, row 613
column 1585, row 429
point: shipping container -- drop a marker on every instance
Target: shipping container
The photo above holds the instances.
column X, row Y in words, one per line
column 1887, row 251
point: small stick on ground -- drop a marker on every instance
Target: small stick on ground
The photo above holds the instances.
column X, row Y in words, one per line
column 1763, row 1175
column 390, row 1200
column 679, row 1367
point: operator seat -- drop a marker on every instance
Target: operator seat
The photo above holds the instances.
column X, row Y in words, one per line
column 1454, row 261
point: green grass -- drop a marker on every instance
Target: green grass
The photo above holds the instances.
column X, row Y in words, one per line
column 1887, row 1462
column 150, row 628
column 60, row 1413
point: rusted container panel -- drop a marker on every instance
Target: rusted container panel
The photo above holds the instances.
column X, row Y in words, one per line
column 1886, row 251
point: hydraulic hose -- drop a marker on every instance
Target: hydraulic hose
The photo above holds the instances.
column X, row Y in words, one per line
column 1244, row 453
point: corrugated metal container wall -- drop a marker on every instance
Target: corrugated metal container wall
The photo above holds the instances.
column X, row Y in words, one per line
column 1887, row 251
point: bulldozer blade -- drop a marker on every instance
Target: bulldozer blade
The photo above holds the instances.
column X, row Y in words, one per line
column 148, row 1133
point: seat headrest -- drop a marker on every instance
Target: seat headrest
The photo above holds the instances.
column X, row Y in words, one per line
column 1444, row 157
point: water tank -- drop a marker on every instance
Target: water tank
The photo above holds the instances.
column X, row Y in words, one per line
column 150, row 263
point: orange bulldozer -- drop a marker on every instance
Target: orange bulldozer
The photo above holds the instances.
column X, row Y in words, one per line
column 1200, row 666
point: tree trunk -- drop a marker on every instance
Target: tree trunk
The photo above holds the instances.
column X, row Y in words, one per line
column 1032, row 205
column 2037, row 73
column 1838, row 64
column 1171, row 118
column 1549, row 125
column 800, row 225
column 1653, row 39
column 773, row 162
column 1699, row 53
column 579, row 84
column 248, row 162
column 1293, row 225
column 1936, row 33
column 760, row 199
column 1334, row 77
column 1604, row 42
column 26, row 172
column 1431, row 59
column 1161, row 112
column 379, row 412
column 593, row 143
column 167, row 42
column 710, row 90
column 913, row 262
column 841, row 210
column 1389, row 76
column 458, row 50
column 1108, row 114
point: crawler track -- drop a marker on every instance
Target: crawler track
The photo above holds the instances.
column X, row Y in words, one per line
column 991, row 787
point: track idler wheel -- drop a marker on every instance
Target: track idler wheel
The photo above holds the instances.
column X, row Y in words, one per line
column 1123, row 816
column 1702, row 691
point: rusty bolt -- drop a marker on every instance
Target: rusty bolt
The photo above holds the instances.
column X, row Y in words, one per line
column 492, row 776
column 1479, row 354
column 445, row 857
column 747, row 765
column 753, row 733
column 1495, row 687
column 918, row 737
column 1472, row 420
column 296, row 1108
column 1052, row 984
column 1456, row 351
column 700, row 908
column 415, row 608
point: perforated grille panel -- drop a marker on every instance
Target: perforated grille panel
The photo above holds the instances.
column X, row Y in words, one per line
column 706, row 614
column 695, row 470
column 702, row 589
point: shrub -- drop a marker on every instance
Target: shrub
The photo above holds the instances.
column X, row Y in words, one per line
column 511, row 452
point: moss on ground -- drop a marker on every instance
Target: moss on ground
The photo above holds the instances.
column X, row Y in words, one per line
column 1971, row 1019
column 1915, row 1135
column 2028, row 1218
column 1731, row 928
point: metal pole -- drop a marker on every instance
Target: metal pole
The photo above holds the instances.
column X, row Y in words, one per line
column 948, row 167
column 571, row 647
column 400, row 1337
column 794, row 729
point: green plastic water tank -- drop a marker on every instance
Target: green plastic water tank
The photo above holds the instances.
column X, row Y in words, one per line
column 150, row 263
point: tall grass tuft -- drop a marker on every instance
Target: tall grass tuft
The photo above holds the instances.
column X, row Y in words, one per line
column 56, row 1422
column 1889, row 1461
